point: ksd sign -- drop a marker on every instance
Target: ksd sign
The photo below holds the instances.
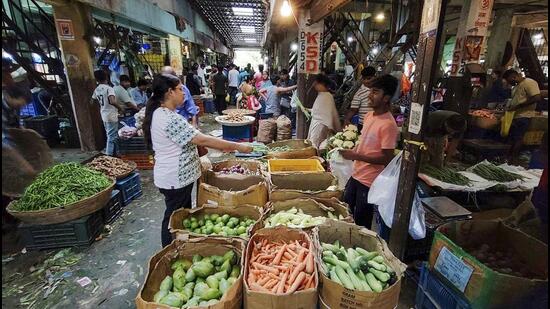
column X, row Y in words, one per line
column 311, row 42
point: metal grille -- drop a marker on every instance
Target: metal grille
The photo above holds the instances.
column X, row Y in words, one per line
column 240, row 22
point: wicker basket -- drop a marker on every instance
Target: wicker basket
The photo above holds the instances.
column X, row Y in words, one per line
column 300, row 149
column 64, row 213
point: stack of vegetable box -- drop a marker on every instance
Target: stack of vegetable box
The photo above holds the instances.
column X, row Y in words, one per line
column 62, row 207
column 199, row 272
column 233, row 183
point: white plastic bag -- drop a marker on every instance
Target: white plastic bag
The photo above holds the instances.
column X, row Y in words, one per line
column 340, row 167
column 383, row 192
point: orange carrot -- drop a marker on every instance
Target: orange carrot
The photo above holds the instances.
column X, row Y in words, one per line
column 309, row 263
column 288, row 255
column 296, row 271
column 301, row 255
column 279, row 255
column 296, row 283
column 281, row 285
column 270, row 269
column 264, row 280
column 256, row 287
column 271, row 283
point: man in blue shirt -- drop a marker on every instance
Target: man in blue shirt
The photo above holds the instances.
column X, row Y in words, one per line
column 139, row 94
column 188, row 109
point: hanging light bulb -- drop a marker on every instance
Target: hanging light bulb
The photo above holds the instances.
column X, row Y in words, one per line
column 350, row 39
column 294, row 47
column 97, row 40
column 375, row 51
column 286, row 9
column 380, row 17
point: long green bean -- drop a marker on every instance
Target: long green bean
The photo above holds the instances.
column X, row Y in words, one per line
column 490, row 171
column 61, row 185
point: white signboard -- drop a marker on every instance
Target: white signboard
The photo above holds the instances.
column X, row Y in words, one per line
column 430, row 16
column 310, row 45
column 415, row 122
column 453, row 268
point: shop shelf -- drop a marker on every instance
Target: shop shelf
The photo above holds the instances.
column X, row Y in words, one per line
column 77, row 233
column 295, row 165
column 113, row 209
column 434, row 293
column 130, row 188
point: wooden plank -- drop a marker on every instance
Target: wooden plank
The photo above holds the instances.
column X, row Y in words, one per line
column 322, row 8
column 428, row 46
column 526, row 20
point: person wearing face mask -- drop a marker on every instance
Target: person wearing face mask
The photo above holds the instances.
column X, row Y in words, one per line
column 175, row 142
column 525, row 96
column 375, row 150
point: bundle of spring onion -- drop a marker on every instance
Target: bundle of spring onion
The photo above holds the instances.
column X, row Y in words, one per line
column 490, row 171
column 445, row 174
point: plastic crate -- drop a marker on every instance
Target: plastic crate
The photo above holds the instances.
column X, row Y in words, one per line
column 130, row 188
column 238, row 134
column 28, row 110
column 209, row 107
column 77, row 233
column 113, row 209
column 532, row 138
column 143, row 161
column 47, row 126
column 294, row 165
column 134, row 145
column 434, row 293
column 266, row 115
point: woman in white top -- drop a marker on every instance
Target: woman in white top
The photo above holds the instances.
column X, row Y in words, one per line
column 324, row 116
column 175, row 143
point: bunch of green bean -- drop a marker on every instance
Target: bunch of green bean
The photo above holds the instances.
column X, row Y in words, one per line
column 445, row 174
column 490, row 171
column 61, row 185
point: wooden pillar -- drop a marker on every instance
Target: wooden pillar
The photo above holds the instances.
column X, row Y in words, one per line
column 500, row 34
column 431, row 30
column 74, row 28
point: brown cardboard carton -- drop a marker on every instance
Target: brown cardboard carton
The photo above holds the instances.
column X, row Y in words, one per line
column 232, row 193
column 308, row 206
column 180, row 232
column 301, row 149
column 159, row 267
column 334, row 295
column 482, row 286
column 285, row 186
column 305, row 299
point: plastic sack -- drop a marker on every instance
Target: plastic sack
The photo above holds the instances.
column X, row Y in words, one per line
column 284, row 128
column 383, row 193
column 506, row 123
column 341, row 168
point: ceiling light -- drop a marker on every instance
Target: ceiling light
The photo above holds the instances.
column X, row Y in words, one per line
column 243, row 11
column 293, row 47
column 248, row 29
column 97, row 40
column 350, row 39
column 286, row 9
column 249, row 40
column 36, row 57
column 208, row 50
column 380, row 16
column 6, row 55
column 266, row 58
column 537, row 36
column 375, row 51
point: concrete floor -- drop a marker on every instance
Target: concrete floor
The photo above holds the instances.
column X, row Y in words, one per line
column 115, row 264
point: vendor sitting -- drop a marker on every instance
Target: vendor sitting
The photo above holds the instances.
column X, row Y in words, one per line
column 441, row 126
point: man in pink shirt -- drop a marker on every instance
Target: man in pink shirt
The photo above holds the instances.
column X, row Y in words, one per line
column 375, row 150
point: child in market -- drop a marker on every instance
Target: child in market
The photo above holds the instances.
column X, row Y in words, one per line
column 375, row 150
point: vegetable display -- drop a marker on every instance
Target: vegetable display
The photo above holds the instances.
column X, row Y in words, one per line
column 357, row 269
column 281, row 268
column 198, row 282
column 490, row 171
column 61, row 185
column 347, row 139
column 234, row 117
column 483, row 113
column 215, row 224
column 296, row 218
column 110, row 166
column 505, row 262
column 446, row 174
column 238, row 169
column 284, row 148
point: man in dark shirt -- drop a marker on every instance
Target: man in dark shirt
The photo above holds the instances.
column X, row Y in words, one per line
column 220, row 90
column 441, row 126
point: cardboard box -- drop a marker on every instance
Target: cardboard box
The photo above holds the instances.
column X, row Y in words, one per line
column 214, row 178
column 482, row 286
column 301, row 149
column 308, row 206
column 334, row 295
column 285, row 186
column 305, row 299
column 181, row 233
column 159, row 267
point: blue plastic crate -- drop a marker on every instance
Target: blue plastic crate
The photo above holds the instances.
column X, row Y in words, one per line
column 238, row 134
column 28, row 110
column 209, row 107
column 130, row 188
column 113, row 209
column 434, row 293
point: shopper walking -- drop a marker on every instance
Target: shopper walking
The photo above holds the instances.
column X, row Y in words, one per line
column 375, row 150
column 105, row 96
column 220, row 90
column 233, row 83
column 175, row 143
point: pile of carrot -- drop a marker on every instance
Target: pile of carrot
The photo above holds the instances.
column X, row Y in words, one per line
column 281, row 268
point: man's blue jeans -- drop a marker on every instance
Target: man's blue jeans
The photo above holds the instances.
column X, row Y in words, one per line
column 111, row 128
